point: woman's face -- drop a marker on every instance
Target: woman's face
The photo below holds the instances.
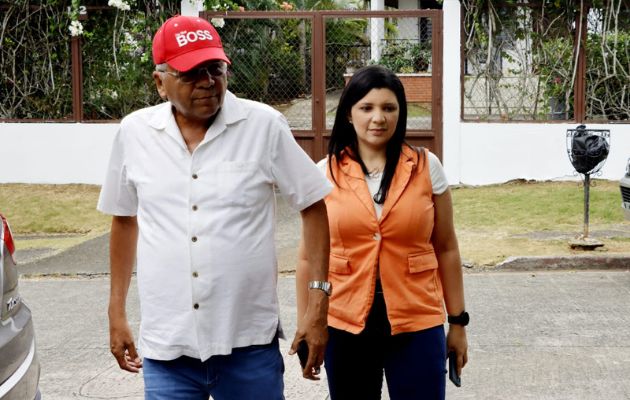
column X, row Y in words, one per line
column 374, row 118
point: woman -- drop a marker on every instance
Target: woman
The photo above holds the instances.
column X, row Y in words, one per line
column 394, row 258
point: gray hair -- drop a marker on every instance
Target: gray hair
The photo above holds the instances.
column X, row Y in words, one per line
column 161, row 67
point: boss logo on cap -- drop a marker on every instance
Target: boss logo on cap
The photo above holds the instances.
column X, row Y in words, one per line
column 185, row 37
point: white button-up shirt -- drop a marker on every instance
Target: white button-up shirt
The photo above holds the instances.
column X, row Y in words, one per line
column 206, row 261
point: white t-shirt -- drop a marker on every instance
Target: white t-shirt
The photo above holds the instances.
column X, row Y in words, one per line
column 438, row 179
column 206, row 261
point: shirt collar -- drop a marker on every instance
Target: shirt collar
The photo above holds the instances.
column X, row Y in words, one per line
column 231, row 112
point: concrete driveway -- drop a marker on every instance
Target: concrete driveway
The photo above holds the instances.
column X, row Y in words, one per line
column 534, row 335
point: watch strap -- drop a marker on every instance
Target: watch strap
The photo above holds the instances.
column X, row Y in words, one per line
column 462, row 319
column 324, row 286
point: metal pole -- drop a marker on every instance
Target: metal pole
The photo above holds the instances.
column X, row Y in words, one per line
column 587, row 187
column 77, row 79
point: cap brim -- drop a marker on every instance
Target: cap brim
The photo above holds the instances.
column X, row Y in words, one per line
column 190, row 60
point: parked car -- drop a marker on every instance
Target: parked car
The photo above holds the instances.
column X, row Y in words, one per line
column 19, row 365
column 624, row 185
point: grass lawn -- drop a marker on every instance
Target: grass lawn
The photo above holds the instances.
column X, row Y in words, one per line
column 492, row 222
column 536, row 218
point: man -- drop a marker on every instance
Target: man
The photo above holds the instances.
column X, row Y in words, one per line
column 191, row 185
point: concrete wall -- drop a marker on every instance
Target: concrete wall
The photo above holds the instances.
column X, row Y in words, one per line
column 474, row 153
column 55, row 152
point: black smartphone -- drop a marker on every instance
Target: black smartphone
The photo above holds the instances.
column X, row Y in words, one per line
column 302, row 352
column 452, row 369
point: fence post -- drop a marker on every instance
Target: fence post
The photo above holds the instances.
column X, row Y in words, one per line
column 77, row 79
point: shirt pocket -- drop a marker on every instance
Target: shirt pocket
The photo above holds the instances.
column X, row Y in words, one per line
column 424, row 260
column 339, row 265
column 239, row 183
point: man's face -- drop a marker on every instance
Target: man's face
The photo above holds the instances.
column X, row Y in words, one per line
column 198, row 94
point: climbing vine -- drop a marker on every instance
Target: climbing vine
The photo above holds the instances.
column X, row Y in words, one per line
column 521, row 59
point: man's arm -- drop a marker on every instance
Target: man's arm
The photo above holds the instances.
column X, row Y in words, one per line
column 122, row 254
column 312, row 304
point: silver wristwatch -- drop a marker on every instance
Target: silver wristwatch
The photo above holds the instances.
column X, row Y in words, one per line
column 326, row 287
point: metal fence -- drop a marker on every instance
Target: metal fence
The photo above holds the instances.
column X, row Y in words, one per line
column 300, row 62
column 538, row 62
column 272, row 60
column 46, row 74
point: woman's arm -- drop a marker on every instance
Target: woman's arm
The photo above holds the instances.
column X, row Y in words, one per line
column 450, row 270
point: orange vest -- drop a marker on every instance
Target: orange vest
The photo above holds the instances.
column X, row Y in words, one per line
column 398, row 246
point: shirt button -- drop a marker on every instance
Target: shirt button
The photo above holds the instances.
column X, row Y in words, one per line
column 194, row 176
column 194, row 239
column 195, row 274
column 194, row 208
column 376, row 236
column 196, row 306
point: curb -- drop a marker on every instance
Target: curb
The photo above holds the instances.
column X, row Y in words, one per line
column 554, row 263
column 91, row 259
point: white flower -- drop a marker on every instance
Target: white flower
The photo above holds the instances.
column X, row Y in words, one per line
column 76, row 29
column 133, row 47
column 129, row 39
column 119, row 4
column 218, row 22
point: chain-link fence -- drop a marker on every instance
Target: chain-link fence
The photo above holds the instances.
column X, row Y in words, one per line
column 404, row 45
column 519, row 63
column 35, row 68
column 608, row 63
column 522, row 62
column 36, row 59
column 272, row 61
column 505, row 98
column 117, row 63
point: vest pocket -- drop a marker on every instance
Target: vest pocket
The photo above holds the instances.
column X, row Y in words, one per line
column 422, row 261
column 339, row 264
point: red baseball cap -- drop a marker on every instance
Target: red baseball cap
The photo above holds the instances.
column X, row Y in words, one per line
column 184, row 42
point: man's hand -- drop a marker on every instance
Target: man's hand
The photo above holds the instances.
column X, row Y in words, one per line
column 312, row 304
column 122, row 346
column 122, row 253
column 313, row 329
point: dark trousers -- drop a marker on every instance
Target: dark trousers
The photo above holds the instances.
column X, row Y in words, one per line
column 414, row 363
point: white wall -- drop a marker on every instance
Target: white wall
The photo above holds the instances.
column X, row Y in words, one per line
column 494, row 153
column 473, row 153
column 54, row 152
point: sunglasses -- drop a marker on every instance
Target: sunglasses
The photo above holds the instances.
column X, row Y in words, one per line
column 214, row 70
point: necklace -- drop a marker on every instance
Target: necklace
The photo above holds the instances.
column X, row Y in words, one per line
column 375, row 172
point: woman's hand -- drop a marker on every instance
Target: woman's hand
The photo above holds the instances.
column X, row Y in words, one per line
column 456, row 342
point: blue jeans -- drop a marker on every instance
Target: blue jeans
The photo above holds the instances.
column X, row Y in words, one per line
column 253, row 372
column 414, row 363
